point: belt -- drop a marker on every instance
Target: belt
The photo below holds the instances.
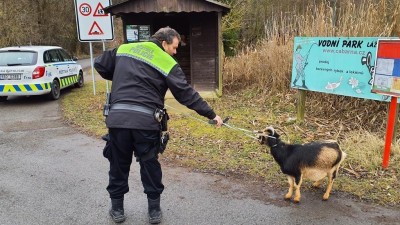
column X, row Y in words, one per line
column 137, row 108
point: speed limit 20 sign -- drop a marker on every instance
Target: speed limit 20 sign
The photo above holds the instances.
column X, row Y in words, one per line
column 93, row 24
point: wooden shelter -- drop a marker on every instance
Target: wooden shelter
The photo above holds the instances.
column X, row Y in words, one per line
column 197, row 21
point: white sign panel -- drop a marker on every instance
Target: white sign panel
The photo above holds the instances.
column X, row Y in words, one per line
column 93, row 24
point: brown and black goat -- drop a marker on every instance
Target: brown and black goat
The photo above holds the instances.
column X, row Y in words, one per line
column 314, row 161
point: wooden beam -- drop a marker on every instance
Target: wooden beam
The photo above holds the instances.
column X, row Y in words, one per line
column 301, row 102
column 220, row 55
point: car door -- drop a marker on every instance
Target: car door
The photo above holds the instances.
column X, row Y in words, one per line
column 72, row 67
column 50, row 64
column 62, row 71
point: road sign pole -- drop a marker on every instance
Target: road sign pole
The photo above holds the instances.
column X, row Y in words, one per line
column 91, row 62
column 93, row 24
column 104, row 49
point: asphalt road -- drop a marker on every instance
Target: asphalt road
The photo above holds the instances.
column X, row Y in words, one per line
column 52, row 174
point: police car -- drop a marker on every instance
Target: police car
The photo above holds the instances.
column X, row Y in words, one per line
column 37, row 70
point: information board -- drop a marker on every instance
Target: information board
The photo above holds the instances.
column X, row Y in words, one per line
column 336, row 65
column 135, row 33
column 387, row 68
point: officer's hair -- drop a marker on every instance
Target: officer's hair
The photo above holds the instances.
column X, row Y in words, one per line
column 166, row 34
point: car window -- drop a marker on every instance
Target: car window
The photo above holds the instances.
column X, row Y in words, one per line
column 53, row 56
column 65, row 55
column 18, row 58
column 46, row 57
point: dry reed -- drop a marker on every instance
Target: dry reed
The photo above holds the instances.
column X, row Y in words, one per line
column 359, row 124
column 268, row 65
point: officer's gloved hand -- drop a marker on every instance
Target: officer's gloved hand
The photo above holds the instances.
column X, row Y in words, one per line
column 219, row 121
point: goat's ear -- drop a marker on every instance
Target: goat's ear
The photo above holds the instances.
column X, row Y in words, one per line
column 270, row 131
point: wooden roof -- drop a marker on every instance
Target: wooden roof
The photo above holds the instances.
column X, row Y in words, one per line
column 166, row 6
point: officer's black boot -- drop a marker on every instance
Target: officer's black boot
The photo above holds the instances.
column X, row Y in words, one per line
column 154, row 211
column 117, row 210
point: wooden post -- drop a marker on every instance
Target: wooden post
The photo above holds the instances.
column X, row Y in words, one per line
column 301, row 103
column 220, row 59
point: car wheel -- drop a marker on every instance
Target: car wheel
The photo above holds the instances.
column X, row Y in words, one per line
column 3, row 98
column 80, row 80
column 55, row 90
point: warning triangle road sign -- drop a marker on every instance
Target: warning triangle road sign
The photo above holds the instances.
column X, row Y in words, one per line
column 95, row 29
column 99, row 10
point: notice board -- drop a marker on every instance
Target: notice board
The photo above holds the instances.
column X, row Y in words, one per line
column 336, row 65
column 387, row 68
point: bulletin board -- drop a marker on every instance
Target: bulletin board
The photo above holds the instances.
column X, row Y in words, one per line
column 336, row 65
column 387, row 68
column 135, row 33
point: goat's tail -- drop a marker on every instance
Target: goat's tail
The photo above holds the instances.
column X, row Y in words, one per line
column 343, row 156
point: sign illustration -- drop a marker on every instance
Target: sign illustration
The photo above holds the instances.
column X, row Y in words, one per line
column 85, row 9
column 99, row 10
column 95, row 29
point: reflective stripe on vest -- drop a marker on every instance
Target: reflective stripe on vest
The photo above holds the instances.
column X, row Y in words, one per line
column 149, row 53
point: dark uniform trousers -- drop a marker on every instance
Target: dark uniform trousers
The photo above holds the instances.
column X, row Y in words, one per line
column 126, row 143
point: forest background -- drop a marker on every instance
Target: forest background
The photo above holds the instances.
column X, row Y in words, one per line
column 265, row 26
column 258, row 43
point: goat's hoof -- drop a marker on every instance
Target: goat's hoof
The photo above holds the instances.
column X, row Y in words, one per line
column 325, row 198
column 287, row 199
column 288, row 196
column 296, row 199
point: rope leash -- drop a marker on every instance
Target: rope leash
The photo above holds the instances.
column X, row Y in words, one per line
column 241, row 129
column 186, row 114
column 245, row 131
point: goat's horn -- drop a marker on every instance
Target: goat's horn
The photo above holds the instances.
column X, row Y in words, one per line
column 271, row 129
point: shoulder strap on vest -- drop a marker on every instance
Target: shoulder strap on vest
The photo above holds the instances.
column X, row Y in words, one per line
column 149, row 53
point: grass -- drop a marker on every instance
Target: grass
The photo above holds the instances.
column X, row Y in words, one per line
column 198, row 145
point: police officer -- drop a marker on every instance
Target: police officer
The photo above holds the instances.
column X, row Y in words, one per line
column 141, row 74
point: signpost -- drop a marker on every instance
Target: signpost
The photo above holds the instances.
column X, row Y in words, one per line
column 93, row 24
column 387, row 82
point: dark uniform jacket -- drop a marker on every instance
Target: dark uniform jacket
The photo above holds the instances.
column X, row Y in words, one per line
column 141, row 74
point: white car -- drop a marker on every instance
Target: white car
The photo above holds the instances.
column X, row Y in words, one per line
column 37, row 70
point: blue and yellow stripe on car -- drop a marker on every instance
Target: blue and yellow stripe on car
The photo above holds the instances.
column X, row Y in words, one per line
column 67, row 81
column 13, row 88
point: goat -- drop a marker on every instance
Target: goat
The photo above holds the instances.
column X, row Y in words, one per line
column 314, row 160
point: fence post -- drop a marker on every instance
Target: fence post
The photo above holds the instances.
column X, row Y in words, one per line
column 301, row 103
